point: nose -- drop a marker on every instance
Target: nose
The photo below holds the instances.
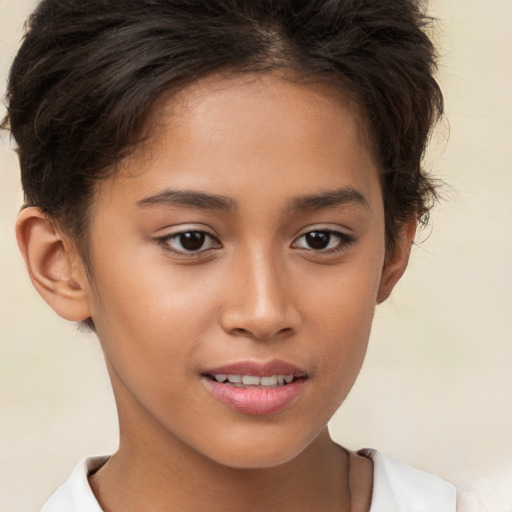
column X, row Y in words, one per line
column 259, row 300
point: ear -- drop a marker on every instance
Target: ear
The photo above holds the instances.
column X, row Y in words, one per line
column 53, row 264
column 396, row 263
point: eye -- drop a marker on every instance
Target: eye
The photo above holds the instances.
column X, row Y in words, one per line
column 323, row 240
column 190, row 241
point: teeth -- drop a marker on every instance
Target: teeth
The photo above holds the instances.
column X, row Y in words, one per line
column 269, row 381
column 250, row 380
column 253, row 380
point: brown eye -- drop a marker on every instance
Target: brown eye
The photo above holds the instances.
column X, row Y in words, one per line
column 318, row 239
column 190, row 241
column 323, row 240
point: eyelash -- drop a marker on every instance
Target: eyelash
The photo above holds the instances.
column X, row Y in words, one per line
column 166, row 240
column 344, row 241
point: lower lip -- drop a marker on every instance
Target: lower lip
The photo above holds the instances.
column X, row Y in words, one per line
column 257, row 401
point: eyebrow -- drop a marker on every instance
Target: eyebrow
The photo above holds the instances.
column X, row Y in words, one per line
column 202, row 200
column 189, row 199
column 328, row 199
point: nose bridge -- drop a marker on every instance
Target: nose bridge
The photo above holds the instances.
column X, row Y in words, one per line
column 259, row 300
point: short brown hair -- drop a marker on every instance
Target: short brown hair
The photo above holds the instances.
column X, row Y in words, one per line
column 88, row 72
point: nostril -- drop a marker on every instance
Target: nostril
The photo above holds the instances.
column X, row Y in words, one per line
column 261, row 334
column 240, row 332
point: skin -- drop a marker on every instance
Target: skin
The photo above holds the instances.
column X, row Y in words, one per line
column 256, row 290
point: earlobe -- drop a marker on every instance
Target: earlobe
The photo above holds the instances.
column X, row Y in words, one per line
column 395, row 265
column 53, row 265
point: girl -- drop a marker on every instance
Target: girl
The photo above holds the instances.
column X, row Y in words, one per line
column 223, row 191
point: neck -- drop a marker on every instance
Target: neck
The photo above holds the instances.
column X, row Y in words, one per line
column 141, row 478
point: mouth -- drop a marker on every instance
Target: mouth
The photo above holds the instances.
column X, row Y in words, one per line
column 256, row 388
column 253, row 381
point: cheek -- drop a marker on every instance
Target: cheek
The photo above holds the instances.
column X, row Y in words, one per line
column 344, row 298
column 151, row 312
column 142, row 288
column 153, row 319
column 152, row 325
column 341, row 308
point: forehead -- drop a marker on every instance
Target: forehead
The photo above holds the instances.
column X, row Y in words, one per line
column 266, row 131
column 246, row 102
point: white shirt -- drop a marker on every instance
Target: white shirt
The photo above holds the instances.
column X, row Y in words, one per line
column 397, row 487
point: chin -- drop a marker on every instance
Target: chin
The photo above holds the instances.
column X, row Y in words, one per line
column 256, row 460
column 257, row 451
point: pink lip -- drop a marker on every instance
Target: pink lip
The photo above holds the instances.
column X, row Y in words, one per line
column 256, row 401
column 261, row 369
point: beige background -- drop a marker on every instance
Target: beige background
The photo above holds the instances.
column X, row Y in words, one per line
column 436, row 389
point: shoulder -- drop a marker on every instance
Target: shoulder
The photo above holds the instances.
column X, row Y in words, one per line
column 75, row 495
column 398, row 487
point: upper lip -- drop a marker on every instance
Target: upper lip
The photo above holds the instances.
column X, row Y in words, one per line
column 257, row 368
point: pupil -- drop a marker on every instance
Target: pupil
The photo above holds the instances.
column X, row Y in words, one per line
column 318, row 239
column 192, row 241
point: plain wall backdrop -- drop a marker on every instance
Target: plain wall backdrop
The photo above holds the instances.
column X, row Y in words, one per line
column 436, row 388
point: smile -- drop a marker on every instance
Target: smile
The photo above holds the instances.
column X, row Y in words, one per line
column 256, row 388
column 253, row 381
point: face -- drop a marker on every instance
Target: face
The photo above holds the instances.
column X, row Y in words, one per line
column 237, row 257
